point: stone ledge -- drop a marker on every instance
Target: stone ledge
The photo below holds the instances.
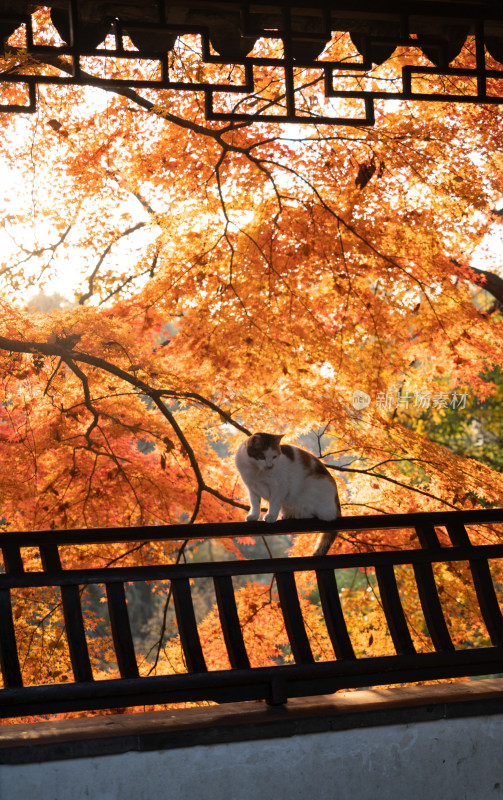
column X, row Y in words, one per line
column 86, row 737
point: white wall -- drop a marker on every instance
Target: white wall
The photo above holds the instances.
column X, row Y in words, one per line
column 442, row 759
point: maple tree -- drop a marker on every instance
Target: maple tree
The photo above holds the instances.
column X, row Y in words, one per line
column 238, row 277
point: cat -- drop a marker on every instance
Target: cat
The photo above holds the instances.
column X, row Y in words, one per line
column 293, row 481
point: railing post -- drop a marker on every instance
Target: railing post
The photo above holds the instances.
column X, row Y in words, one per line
column 483, row 583
column 428, row 592
column 72, row 612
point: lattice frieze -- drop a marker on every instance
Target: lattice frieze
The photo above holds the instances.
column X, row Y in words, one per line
column 257, row 62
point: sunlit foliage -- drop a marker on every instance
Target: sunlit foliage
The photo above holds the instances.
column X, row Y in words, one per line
column 229, row 278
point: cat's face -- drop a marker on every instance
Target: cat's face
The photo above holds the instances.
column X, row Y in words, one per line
column 264, row 449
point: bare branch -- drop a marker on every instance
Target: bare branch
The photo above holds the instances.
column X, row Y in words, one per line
column 92, row 276
column 87, row 395
column 380, row 476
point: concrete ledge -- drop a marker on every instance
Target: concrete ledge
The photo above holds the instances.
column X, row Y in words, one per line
column 240, row 722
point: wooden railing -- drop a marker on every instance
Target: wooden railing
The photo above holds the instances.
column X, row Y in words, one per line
column 305, row 676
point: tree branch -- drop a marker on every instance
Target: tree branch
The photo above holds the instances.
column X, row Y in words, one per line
column 490, row 282
column 70, row 356
column 380, row 476
column 92, row 276
column 87, row 396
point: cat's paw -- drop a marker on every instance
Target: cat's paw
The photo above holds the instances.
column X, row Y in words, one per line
column 252, row 516
column 270, row 517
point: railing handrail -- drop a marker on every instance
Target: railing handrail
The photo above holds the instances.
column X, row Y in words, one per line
column 225, row 530
column 262, row 566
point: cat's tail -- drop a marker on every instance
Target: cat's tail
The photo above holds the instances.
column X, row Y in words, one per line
column 324, row 542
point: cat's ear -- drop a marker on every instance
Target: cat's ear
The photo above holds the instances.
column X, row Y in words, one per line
column 279, row 437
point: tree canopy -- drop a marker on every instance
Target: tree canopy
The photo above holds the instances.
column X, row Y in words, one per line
column 227, row 278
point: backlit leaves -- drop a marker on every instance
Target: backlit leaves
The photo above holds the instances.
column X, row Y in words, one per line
column 226, row 279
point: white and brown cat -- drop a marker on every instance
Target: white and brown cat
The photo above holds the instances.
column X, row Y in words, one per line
column 293, row 481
